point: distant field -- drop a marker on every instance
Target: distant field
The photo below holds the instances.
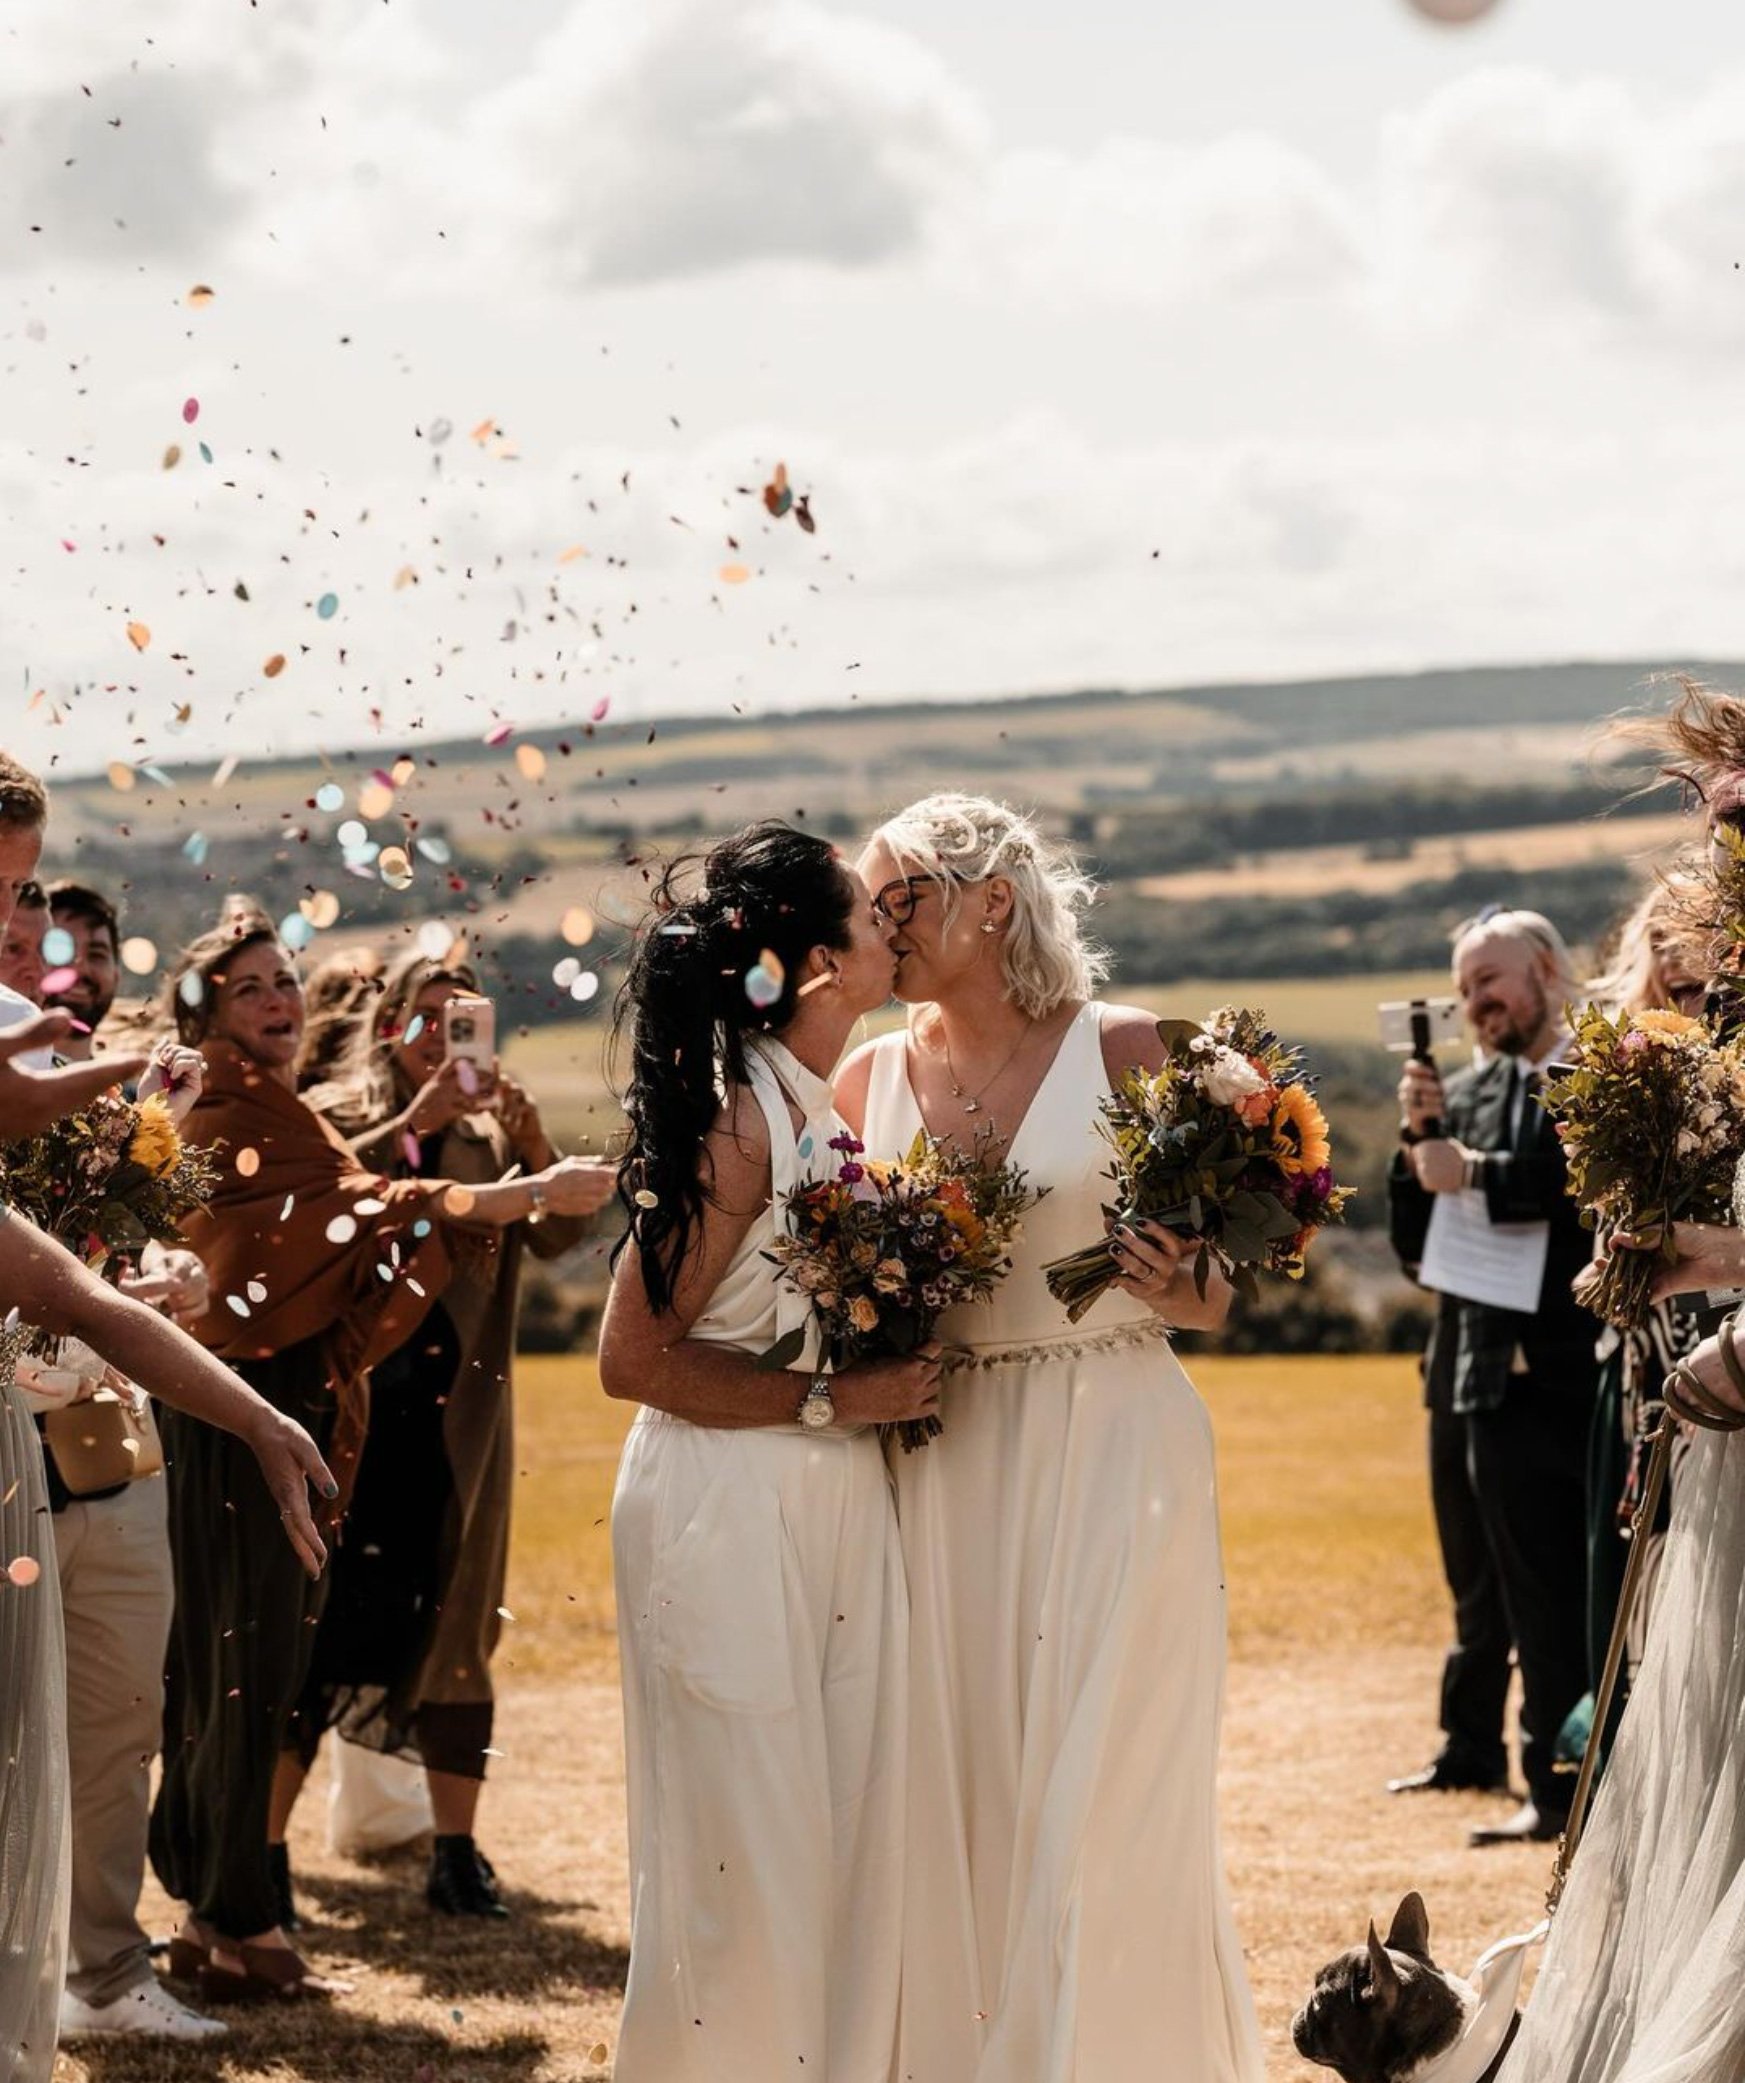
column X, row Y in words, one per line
column 562, row 1064
column 1319, row 869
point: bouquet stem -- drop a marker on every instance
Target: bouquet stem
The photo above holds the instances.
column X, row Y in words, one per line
column 914, row 1432
column 1619, row 1290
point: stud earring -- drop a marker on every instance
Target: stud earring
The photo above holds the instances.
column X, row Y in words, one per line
column 987, row 925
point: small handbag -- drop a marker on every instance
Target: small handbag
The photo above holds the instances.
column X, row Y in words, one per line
column 104, row 1442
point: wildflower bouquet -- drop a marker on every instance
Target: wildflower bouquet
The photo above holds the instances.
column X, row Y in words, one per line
column 882, row 1250
column 1225, row 1143
column 1652, row 1120
column 109, row 1178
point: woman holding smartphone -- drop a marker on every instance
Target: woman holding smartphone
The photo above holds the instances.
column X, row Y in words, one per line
column 321, row 1271
column 402, row 1660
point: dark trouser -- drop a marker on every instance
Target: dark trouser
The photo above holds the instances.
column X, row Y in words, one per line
column 1475, row 1678
column 239, row 1652
column 1528, row 1461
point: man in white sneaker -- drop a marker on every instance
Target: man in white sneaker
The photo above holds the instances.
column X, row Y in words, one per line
column 112, row 1547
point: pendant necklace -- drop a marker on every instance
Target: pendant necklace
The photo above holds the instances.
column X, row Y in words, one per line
column 973, row 1104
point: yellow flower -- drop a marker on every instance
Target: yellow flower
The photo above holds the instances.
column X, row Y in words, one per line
column 154, row 1142
column 1664, row 1025
column 1300, row 1142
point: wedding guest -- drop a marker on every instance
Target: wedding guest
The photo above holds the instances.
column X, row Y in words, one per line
column 402, row 1658
column 22, row 967
column 1523, row 1381
column 336, row 993
column 1642, row 1974
column 1656, row 960
column 761, row 1612
column 113, row 1558
column 50, row 1289
column 87, row 980
column 1066, row 1916
column 318, row 1270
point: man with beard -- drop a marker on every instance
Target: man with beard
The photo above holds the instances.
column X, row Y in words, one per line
column 1521, row 1383
column 89, row 920
column 112, row 1548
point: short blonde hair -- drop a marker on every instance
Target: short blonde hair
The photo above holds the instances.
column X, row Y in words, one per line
column 958, row 840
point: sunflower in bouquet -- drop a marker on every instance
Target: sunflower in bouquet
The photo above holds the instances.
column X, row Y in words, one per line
column 882, row 1250
column 108, row 1179
column 1226, row 1143
column 1651, row 1116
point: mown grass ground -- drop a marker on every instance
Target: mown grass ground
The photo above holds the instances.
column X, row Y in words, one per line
column 1337, row 1621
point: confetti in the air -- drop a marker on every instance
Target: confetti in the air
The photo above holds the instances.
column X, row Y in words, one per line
column 139, row 956
column 138, row 635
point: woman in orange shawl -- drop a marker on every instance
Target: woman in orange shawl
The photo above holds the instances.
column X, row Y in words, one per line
column 317, row 1269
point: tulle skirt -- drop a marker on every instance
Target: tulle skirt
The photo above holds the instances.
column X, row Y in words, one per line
column 1644, row 1980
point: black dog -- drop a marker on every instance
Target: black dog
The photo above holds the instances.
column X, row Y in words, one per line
column 1389, row 2014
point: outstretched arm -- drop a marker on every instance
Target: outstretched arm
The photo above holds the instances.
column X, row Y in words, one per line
column 53, row 1290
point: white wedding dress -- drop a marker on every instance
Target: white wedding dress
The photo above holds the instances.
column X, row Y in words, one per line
column 1066, row 1916
column 34, row 1821
column 762, row 1633
column 1644, row 1977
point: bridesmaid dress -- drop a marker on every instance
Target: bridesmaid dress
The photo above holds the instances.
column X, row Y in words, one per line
column 762, row 1632
column 1066, row 1918
column 34, row 1818
column 1643, row 1974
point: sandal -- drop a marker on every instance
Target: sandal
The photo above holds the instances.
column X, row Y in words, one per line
column 190, row 1950
column 268, row 1974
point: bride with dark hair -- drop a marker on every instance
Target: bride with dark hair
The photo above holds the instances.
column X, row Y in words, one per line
column 762, row 1619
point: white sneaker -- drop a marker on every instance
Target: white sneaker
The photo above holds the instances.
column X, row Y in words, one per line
column 148, row 2012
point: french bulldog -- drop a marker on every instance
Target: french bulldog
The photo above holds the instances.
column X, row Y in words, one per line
column 1386, row 2013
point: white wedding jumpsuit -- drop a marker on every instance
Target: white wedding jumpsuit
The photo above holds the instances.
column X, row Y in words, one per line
column 762, row 1630
column 1066, row 1917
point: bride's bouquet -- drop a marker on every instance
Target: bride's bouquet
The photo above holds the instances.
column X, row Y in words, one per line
column 1225, row 1143
column 882, row 1250
column 107, row 1179
column 1652, row 1120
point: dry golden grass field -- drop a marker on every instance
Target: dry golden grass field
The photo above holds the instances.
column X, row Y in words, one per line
column 1336, row 1628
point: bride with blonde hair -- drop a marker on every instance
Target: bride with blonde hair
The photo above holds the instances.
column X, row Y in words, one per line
column 1066, row 1918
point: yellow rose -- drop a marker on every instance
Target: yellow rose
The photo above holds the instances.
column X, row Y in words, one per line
column 154, row 1142
column 1664, row 1025
column 863, row 1313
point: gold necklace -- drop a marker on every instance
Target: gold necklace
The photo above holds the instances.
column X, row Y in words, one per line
column 973, row 1105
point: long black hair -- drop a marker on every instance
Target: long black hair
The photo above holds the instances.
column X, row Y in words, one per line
column 689, row 1003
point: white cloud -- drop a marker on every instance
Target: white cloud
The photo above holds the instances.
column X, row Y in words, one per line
column 677, row 137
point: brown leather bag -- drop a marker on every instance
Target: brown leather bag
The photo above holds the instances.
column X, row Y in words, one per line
column 104, row 1442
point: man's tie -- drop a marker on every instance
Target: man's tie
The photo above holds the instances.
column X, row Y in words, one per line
column 1527, row 1111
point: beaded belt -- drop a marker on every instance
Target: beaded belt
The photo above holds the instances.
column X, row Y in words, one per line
column 1069, row 1345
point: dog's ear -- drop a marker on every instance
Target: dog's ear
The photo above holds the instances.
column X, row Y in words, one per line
column 1410, row 1932
column 1384, row 1976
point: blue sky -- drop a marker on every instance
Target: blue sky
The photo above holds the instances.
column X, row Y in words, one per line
column 1117, row 346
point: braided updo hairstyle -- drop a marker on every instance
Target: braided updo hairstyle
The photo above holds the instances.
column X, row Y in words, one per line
column 688, row 1008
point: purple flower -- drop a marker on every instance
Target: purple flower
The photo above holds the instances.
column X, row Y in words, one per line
column 852, row 1145
column 851, row 1174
